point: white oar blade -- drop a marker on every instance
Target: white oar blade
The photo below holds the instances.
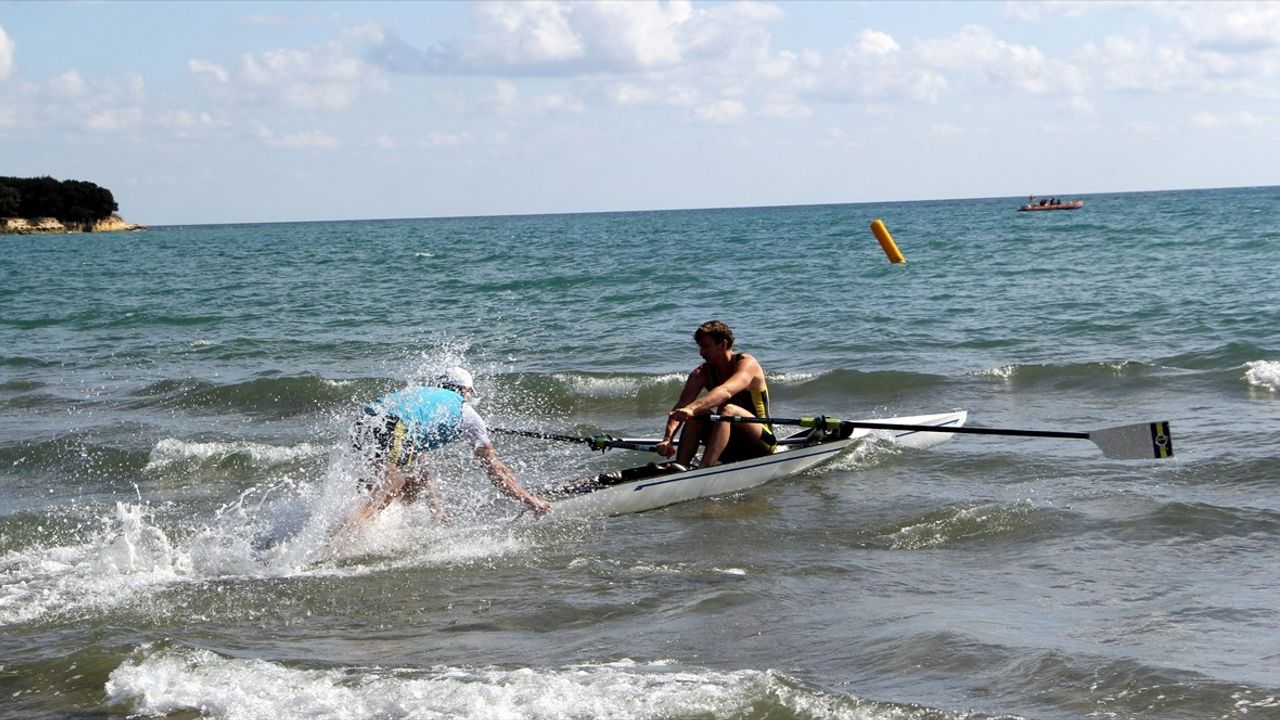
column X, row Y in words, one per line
column 1143, row 441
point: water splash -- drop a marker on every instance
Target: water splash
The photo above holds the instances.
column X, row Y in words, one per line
column 1263, row 374
column 166, row 680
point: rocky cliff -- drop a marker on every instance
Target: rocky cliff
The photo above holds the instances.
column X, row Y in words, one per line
column 33, row 226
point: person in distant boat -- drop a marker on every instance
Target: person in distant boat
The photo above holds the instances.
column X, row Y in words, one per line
column 394, row 434
column 734, row 385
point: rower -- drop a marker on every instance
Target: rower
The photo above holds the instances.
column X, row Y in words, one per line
column 735, row 385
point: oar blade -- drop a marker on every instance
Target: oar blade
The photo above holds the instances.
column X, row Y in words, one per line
column 1141, row 441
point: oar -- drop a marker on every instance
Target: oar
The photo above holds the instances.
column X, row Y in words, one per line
column 1141, row 441
column 599, row 442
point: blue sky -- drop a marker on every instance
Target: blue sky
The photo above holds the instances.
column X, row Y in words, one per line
column 244, row 111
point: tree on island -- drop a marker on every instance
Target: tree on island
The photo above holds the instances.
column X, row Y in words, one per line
column 70, row 201
column 10, row 199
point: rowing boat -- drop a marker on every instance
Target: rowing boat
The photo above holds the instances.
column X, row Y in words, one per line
column 1069, row 205
column 651, row 486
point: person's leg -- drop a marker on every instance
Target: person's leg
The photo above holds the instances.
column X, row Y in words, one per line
column 691, row 435
column 743, row 434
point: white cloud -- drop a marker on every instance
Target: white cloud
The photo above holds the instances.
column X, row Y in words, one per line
column 69, row 84
column 7, row 50
column 113, row 119
column 383, row 141
column 1138, row 64
column 1219, row 48
column 1079, row 105
column 326, row 78
column 975, row 53
column 1026, row 11
column 871, row 42
column 190, row 124
column 874, row 67
column 200, row 67
column 721, row 112
column 1233, row 27
column 505, row 95
column 306, row 140
column 524, row 32
column 558, row 103
column 656, row 93
column 542, row 37
column 636, row 35
column 1209, row 121
column 437, row 139
column 786, row 110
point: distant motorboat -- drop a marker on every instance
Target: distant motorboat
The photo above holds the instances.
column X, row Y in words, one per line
column 1052, row 205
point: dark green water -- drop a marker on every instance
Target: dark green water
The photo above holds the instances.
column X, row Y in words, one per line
column 170, row 396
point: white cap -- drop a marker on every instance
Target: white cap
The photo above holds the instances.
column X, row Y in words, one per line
column 457, row 377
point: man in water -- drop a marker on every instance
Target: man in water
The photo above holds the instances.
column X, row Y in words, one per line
column 734, row 385
column 395, row 433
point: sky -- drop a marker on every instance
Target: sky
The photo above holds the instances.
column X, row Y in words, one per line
column 220, row 112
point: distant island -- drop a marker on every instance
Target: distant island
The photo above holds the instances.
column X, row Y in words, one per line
column 46, row 205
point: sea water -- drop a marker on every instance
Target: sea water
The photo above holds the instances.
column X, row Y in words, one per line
column 173, row 456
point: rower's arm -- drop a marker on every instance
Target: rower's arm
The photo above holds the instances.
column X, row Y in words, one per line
column 505, row 480
column 692, row 386
column 740, row 380
column 421, row 482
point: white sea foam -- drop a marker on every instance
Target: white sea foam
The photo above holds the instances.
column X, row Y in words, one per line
column 1003, row 373
column 790, row 377
column 180, row 680
column 876, row 445
column 126, row 558
column 615, row 386
column 1263, row 373
column 281, row 529
column 171, row 450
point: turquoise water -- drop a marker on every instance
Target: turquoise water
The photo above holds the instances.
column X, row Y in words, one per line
column 170, row 397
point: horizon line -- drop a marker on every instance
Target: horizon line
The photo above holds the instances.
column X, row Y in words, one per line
column 709, row 208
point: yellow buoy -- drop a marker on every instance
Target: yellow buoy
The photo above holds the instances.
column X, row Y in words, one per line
column 886, row 241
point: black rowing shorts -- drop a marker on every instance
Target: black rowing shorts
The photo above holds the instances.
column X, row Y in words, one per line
column 383, row 438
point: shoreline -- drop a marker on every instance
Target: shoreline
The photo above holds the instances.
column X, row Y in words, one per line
column 54, row 226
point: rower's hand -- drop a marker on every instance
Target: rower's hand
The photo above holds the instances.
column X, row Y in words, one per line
column 666, row 448
column 681, row 414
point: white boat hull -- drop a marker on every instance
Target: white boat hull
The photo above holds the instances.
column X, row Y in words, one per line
column 645, row 488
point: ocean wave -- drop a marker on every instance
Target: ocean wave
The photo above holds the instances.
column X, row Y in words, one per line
column 1229, row 355
column 22, row 361
column 1197, row 522
column 1067, row 682
column 614, row 386
column 172, row 450
column 1071, row 375
column 113, row 565
column 163, row 679
column 271, row 397
column 139, row 558
column 1263, row 374
column 949, row 526
column 72, row 453
column 521, row 394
